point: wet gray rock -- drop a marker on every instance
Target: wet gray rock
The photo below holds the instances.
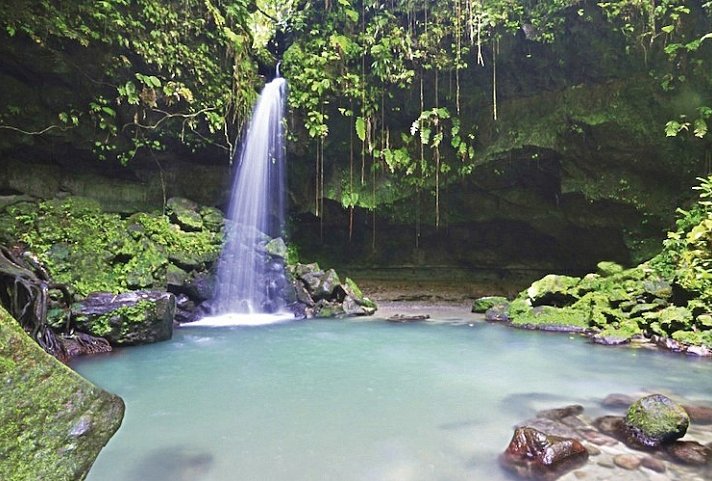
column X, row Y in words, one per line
column 323, row 294
column 201, row 287
column 653, row 464
column 276, row 248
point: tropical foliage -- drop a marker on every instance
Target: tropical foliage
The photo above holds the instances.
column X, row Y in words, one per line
column 142, row 73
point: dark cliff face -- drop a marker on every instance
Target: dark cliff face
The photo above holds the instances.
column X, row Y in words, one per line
column 575, row 169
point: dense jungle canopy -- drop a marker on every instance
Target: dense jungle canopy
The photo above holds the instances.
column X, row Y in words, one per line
column 425, row 113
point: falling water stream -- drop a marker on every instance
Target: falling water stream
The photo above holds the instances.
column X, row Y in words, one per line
column 248, row 283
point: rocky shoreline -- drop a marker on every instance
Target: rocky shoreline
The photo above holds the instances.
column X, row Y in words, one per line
column 567, row 444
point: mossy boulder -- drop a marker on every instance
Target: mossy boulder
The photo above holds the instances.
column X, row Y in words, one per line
column 185, row 213
column 553, row 290
column 354, row 302
column 546, row 318
column 276, row 248
column 53, row 423
column 322, row 294
column 213, row 219
column 618, row 333
column 608, row 268
column 96, row 251
column 139, row 317
column 668, row 320
column 655, row 420
column 481, row 304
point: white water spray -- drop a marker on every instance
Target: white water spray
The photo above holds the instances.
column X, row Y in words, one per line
column 249, row 280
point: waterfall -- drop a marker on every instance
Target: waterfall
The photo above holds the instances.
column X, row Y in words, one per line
column 249, row 280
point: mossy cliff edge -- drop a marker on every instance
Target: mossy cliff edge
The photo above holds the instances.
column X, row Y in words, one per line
column 53, row 423
column 667, row 299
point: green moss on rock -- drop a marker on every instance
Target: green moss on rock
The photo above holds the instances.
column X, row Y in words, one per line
column 553, row 290
column 483, row 303
column 97, row 251
column 53, row 423
column 608, row 268
column 656, row 419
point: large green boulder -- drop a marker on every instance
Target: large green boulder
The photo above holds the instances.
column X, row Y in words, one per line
column 53, row 423
column 656, row 419
column 553, row 290
column 131, row 318
column 482, row 304
column 185, row 213
column 608, row 268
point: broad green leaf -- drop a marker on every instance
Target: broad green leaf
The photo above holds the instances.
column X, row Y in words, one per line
column 425, row 135
column 700, row 128
column 360, row 128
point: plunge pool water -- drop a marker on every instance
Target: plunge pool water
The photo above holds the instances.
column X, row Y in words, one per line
column 354, row 400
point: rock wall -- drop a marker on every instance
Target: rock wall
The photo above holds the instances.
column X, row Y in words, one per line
column 53, row 423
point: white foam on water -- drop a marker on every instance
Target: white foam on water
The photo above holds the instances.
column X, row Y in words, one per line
column 235, row 319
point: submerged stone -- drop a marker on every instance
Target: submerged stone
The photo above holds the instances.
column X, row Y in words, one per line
column 699, row 414
column 53, row 423
column 690, row 452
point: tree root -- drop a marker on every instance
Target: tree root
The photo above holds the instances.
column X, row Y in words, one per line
column 24, row 291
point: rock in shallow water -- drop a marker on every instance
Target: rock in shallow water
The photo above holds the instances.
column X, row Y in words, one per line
column 656, row 419
column 627, row 461
column 690, row 452
column 617, row 400
column 699, row 414
column 538, row 456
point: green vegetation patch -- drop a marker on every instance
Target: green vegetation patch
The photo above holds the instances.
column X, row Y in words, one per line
column 92, row 250
column 670, row 296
